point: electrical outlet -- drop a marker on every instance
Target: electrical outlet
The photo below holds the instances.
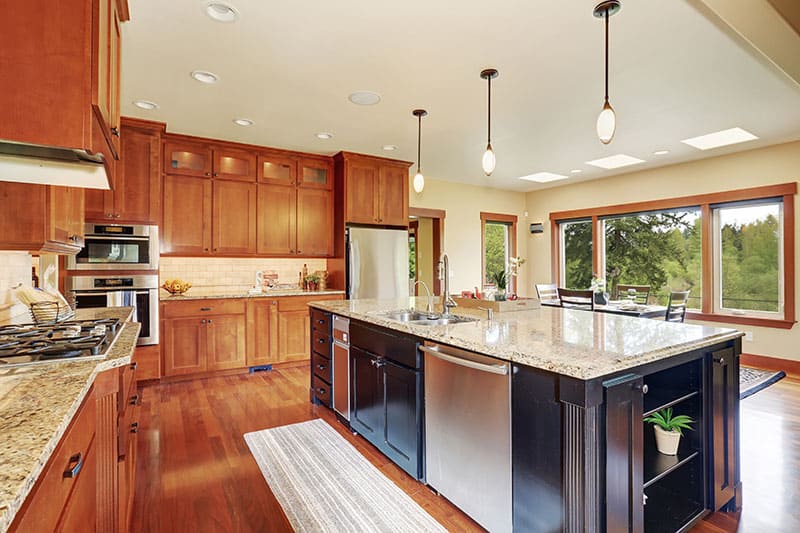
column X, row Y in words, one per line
column 748, row 336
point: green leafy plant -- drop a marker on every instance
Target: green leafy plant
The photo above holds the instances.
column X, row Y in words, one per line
column 313, row 278
column 667, row 422
column 500, row 279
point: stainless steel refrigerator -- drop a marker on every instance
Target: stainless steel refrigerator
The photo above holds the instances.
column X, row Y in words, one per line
column 377, row 263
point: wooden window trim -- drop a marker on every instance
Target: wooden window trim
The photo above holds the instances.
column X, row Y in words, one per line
column 501, row 218
column 705, row 202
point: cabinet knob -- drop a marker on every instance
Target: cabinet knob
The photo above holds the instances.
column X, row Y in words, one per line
column 644, row 388
column 116, row 215
column 321, row 390
column 207, row 173
column 109, row 215
column 720, row 360
column 134, row 399
column 210, row 321
column 291, row 251
column 321, row 367
column 321, row 341
column 73, row 238
column 216, row 249
column 74, row 466
column 299, row 252
column 206, row 308
column 205, row 249
column 203, row 321
column 216, row 174
column 115, row 131
column 135, row 427
column 134, row 365
column 274, row 302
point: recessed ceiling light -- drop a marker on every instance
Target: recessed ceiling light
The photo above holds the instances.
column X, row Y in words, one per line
column 661, row 152
column 145, row 104
column 576, row 171
column 364, row 98
column 324, row 135
column 615, row 161
column 203, row 76
column 720, row 138
column 390, row 147
column 221, row 11
column 543, row 177
column 243, row 121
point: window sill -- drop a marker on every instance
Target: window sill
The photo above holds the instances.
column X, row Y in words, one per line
column 743, row 320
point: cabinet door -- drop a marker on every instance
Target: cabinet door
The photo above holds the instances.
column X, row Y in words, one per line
column 261, row 341
column 315, row 173
column 393, row 196
column 234, row 221
column 184, row 346
column 226, row 342
column 724, row 416
column 99, row 204
column 277, row 170
column 101, row 55
column 187, row 216
column 277, row 219
column 403, row 416
column 361, row 193
column 314, row 222
column 114, row 86
column 293, row 341
column 80, row 512
column 138, row 182
column 234, row 164
column 624, row 446
column 66, row 221
column 187, row 159
column 367, row 415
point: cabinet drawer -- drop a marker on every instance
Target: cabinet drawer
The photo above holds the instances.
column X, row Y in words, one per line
column 127, row 387
column 321, row 344
column 299, row 303
column 204, row 307
column 321, row 321
column 322, row 390
column 321, row 366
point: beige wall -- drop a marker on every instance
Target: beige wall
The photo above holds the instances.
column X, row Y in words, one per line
column 462, row 226
column 764, row 166
column 425, row 252
column 15, row 268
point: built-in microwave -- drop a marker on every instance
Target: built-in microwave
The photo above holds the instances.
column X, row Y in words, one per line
column 117, row 247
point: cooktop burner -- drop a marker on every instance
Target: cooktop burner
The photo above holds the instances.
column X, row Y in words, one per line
column 75, row 339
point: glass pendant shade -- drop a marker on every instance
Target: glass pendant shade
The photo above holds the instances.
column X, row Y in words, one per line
column 489, row 160
column 419, row 182
column 606, row 123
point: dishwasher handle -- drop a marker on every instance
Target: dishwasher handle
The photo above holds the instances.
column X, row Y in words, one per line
column 500, row 369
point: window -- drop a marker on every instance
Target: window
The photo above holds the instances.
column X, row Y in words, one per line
column 734, row 252
column 499, row 243
column 749, row 261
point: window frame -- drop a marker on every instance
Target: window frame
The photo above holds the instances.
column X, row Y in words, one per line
column 562, row 275
column 707, row 203
column 511, row 222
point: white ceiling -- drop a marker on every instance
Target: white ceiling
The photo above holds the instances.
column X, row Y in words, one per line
column 291, row 65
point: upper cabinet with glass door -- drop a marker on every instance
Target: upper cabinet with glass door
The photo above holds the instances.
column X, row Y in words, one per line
column 277, row 169
column 234, row 164
column 187, row 158
column 315, row 173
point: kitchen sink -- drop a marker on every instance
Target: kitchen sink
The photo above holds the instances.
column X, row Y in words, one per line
column 418, row 318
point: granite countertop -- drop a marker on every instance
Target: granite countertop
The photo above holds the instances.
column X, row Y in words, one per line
column 37, row 404
column 203, row 293
column 571, row 342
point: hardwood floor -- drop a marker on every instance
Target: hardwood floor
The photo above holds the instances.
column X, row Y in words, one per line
column 196, row 473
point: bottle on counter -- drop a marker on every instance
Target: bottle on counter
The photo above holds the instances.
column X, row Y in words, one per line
column 305, row 277
column 34, row 277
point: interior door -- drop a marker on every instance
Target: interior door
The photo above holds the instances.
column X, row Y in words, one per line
column 367, row 413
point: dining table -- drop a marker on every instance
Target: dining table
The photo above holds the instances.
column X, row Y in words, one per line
column 621, row 307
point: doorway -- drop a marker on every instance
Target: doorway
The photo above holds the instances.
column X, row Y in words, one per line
column 425, row 238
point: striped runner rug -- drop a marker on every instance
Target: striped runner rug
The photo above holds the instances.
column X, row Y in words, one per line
column 324, row 484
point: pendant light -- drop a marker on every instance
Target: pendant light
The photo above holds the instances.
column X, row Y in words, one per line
column 419, row 179
column 607, row 120
column 489, row 160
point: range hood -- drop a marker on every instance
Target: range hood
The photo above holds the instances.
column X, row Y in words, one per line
column 47, row 165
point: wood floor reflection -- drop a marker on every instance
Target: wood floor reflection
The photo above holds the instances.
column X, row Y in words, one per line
column 196, row 473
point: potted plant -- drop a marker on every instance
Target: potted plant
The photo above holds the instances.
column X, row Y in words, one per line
column 500, row 281
column 313, row 281
column 669, row 429
column 599, row 289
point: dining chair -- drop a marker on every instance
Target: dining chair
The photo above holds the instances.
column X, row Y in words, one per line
column 547, row 292
column 580, row 299
column 676, row 307
column 642, row 292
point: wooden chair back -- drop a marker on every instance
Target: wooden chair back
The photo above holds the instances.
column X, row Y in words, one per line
column 548, row 292
column 676, row 307
column 581, row 299
column 642, row 292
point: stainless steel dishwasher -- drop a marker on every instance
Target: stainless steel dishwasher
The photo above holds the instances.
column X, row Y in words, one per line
column 341, row 366
column 468, row 433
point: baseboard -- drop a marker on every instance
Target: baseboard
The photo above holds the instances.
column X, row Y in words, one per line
column 791, row 367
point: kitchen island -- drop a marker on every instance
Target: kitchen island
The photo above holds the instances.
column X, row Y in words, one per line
column 580, row 384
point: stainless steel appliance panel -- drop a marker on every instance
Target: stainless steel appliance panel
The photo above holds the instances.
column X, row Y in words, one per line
column 117, row 247
column 468, row 433
column 377, row 263
column 341, row 366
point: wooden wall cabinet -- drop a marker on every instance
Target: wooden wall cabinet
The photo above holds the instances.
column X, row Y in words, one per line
column 295, row 221
column 187, row 215
column 204, row 159
column 375, row 189
column 136, row 198
column 233, row 221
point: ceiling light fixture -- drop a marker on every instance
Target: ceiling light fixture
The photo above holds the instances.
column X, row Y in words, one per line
column 203, row 76
column 607, row 120
column 489, row 160
column 543, row 177
column 364, row 98
column 419, row 179
column 720, row 138
column 221, row 11
column 661, row 152
column 390, row 147
column 243, row 122
column 324, row 135
column 145, row 104
column 575, row 171
column 615, row 161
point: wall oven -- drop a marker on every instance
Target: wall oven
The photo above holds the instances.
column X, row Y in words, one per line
column 117, row 247
column 139, row 292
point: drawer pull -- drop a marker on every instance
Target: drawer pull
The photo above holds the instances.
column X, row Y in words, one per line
column 134, row 399
column 321, row 367
column 720, row 360
column 135, row 427
column 206, row 308
column 321, row 390
column 73, row 472
column 320, row 321
column 134, row 365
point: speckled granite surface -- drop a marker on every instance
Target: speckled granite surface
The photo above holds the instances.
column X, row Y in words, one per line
column 571, row 342
column 197, row 293
column 37, row 404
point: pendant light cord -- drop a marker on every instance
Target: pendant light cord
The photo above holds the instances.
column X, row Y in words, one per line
column 606, row 55
column 419, row 141
column 489, row 121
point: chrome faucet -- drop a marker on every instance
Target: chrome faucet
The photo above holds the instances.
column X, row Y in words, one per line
column 430, row 296
column 444, row 273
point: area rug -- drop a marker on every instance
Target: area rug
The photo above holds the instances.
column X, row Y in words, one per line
column 752, row 380
column 324, row 484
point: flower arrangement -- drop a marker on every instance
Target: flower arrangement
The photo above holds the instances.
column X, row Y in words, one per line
column 598, row 285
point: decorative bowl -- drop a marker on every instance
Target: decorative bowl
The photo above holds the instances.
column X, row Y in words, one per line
column 176, row 287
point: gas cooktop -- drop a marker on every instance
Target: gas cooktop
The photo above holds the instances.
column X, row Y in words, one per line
column 75, row 340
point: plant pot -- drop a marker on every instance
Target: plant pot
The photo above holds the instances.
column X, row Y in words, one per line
column 601, row 298
column 667, row 441
column 500, row 296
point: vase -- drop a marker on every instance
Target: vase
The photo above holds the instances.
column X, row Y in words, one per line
column 601, row 298
column 667, row 441
column 500, row 296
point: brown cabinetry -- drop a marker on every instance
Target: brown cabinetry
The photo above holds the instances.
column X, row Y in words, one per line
column 187, row 215
column 375, row 189
column 234, row 217
column 106, row 49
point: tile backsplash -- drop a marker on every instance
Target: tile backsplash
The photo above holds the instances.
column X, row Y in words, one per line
column 237, row 274
column 15, row 268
